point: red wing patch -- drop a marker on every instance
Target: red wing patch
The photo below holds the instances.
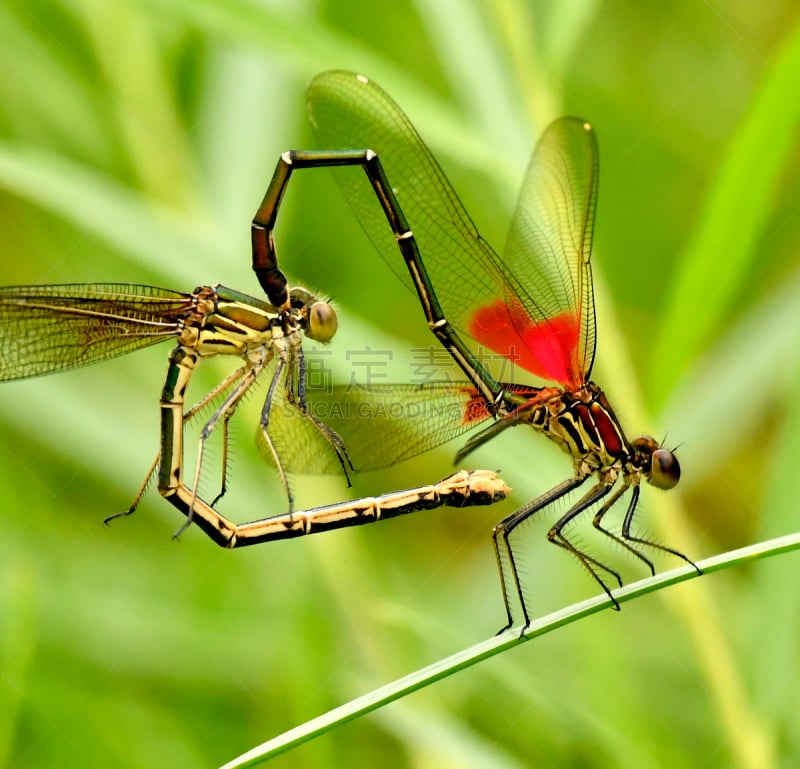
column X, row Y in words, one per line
column 547, row 348
column 476, row 409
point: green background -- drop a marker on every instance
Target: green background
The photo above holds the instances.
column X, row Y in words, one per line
column 136, row 140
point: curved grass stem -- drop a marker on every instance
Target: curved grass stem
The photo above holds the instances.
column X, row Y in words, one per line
column 428, row 675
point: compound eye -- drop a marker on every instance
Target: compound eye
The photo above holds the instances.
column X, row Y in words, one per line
column 322, row 322
column 665, row 471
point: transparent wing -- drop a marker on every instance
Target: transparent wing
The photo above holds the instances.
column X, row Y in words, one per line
column 351, row 112
column 534, row 308
column 549, row 245
column 44, row 329
column 379, row 425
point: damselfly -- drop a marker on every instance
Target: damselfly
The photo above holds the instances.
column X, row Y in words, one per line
column 534, row 307
column 44, row 329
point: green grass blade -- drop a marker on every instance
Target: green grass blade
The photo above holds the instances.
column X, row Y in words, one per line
column 718, row 259
column 493, row 646
column 97, row 204
column 772, row 594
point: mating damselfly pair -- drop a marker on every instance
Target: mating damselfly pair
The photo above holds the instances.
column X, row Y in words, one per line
column 533, row 307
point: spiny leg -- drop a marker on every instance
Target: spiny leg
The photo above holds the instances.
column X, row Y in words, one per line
column 597, row 522
column 223, row 485
column 557, row 537
column 182, row 361
column 626, row 533
column 187, row 417
column 296, row 397
column 264, row 424
column 335, row 442
column 139, row 494
column 221, row 388
column 502, row 532
column 224, row 413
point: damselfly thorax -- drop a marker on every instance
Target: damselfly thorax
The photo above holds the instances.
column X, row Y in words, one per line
column 583, row 423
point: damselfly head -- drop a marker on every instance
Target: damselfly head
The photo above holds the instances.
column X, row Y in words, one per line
column 660, row 465
column 320, row 318
column 322, row 322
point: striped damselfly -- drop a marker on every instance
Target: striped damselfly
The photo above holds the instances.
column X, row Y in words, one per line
column 44, row 329
column 533, row 308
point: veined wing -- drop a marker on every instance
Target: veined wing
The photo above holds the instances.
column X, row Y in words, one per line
column 50, row 328
column 523, row 309
column 380, row 425
column 550, row 300
column 350, row 112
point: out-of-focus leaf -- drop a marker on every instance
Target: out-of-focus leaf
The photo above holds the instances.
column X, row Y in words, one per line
column 716, row 262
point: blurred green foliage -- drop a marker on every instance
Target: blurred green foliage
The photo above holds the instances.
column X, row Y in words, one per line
column 136, row 140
